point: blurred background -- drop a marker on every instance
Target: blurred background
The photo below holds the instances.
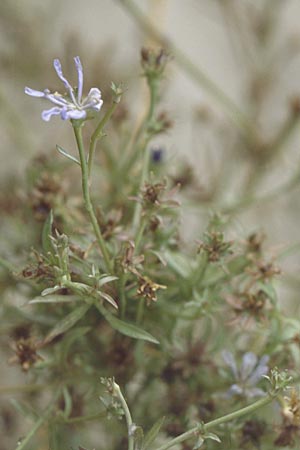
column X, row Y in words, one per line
column 232, row 91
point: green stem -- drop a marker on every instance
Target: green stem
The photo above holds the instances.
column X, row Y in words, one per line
column 227, row 418
column 140, row 311
column 39, row 422
column 128, row 418
column 122, row 283
column 87, row 198
column 191, row 69
column 153, row 86
column 98, row 134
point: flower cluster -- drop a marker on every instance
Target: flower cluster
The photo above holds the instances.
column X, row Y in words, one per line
column 248, row 375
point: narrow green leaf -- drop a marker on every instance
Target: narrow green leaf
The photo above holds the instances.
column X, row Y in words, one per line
column 67, row 155
column 55, row 299
column 213, row 437
column 126, row 328
column 46, row 233
column 67, row 322
column 108, row 298
column 24, row 409
column 152, row 433
column 177, row 263
column 106, row 279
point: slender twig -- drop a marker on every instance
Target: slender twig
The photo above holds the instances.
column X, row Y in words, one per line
column 128, row 418
column 87, row 197
column 153, row 86
column 227, row 418
column 97, row 134
column 21, row 445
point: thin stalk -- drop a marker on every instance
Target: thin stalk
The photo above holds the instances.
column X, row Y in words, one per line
column 191, row 69
column 87, row 198
column 122, row 282
column 227, row 418
column 128, row 418
column 153, row 86
column 140, row 311
column 98, row 134
column 39, row 422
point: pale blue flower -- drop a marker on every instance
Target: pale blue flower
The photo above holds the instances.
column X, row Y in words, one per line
column 247, row 375
column 71, row 105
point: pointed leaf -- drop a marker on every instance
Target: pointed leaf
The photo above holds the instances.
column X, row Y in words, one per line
column 108, row 298
column 152, row 433
column 199, row 443
column 67, row 322
column 50, row 290
column 213, row 437
column 55, row 299
column 126, row 328
column 106, row 279
column 46, row 233
column 67, row 155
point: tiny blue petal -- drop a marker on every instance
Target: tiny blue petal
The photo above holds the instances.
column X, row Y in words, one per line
column 33, row 92
column 248, row 364
column 48, row 113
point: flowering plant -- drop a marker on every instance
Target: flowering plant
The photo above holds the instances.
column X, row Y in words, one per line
column 122, row 314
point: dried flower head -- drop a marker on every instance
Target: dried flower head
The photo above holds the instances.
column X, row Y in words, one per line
column 153, row 61
column 70, row 105
column 215, row 246
column 249, row 305
column 291, row 410
column 147, row 289
column 26, row 353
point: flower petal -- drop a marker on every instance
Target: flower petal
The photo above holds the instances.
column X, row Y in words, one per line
column 48, row 113
column 33, row 92
column 261, row 370
column 248, row 364
column 230, row 362
column 235, row 389
column 58, row 69
column 80, row 77
column 57, row 99
column 75, row 114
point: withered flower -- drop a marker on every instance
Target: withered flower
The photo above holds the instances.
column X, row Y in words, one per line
column 128, row 260
column 290, row 428
column 215, row 246
column 254, row 242
column 26, row 353
column 153, row 61
column 263, row 270
column 147, row 289
column 249, row 305
column 291, row 410
column 39, row 269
